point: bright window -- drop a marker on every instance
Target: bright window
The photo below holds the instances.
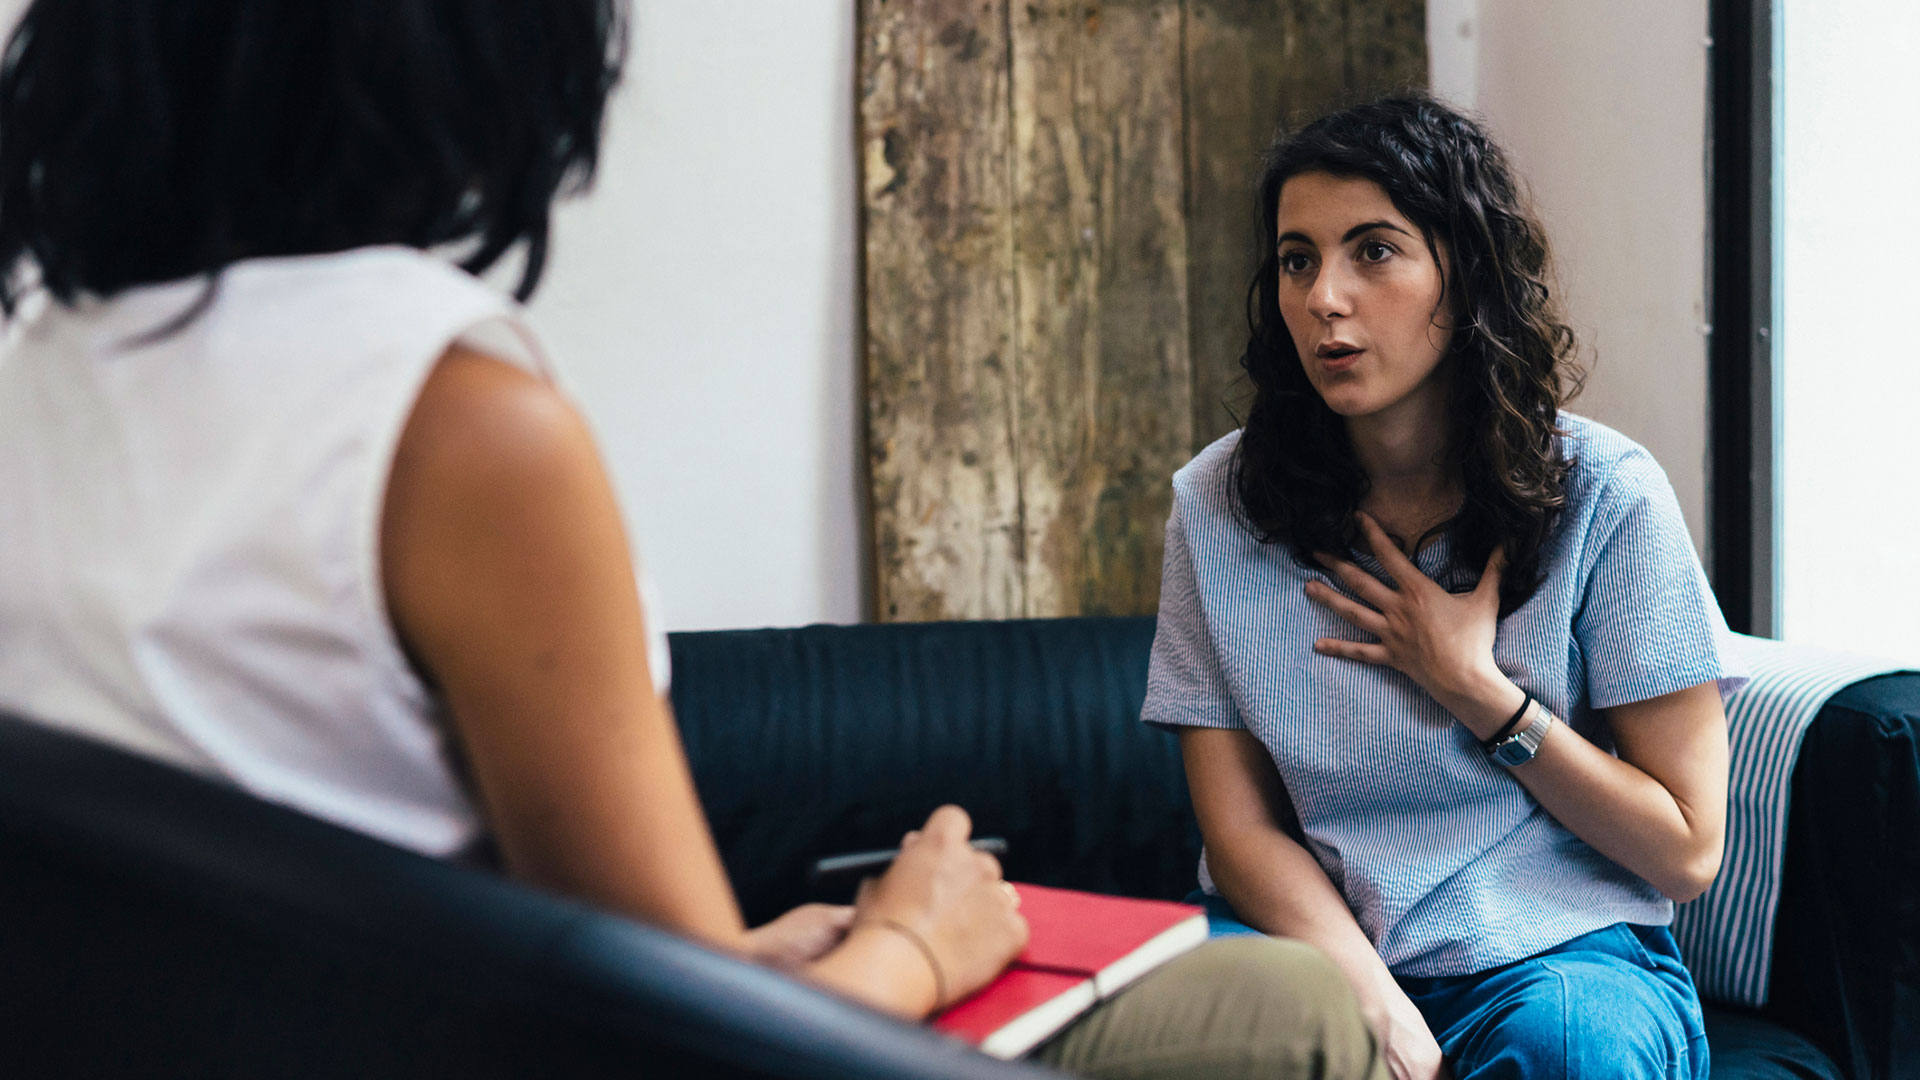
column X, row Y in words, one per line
column 1848, row 175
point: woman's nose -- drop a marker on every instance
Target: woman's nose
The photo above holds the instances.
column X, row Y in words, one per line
column 1328, row 299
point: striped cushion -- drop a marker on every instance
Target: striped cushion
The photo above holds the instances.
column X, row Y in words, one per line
column 1727, row 934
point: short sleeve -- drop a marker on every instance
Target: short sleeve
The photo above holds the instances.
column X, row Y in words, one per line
column 1184, row 685
column 1648, row 623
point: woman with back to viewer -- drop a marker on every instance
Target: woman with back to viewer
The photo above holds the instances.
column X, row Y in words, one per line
column 294, row 503
column 1447, row 673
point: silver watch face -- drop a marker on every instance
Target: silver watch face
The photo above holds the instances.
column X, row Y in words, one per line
column 1519, row 748
column 1513, row 751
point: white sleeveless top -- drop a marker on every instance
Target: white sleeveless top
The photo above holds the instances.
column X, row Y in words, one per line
column 190, row 560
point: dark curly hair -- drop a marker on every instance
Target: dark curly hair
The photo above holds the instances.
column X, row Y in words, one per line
column 144, row 141
column 1294, row 475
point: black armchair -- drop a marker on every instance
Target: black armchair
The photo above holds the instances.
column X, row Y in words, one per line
column 153, row 924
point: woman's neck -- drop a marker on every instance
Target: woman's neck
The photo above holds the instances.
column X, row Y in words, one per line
column 1403, row 452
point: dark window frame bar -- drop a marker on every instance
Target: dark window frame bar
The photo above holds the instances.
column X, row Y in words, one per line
column 1742, row 360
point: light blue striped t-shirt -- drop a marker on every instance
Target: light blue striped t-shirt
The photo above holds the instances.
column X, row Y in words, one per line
column 1449, row 865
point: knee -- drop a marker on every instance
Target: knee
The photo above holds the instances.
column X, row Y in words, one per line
column 1274, row 973
column 1592, row 1020
column 1262, row 961
column 1236, row 1007
column 1287, row 993
column 1623, row 1026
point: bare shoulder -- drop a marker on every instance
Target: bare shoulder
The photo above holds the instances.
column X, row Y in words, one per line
column 509, row 580
column 500, row 525
column 480, row 422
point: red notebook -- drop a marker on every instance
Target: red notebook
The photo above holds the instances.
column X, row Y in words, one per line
column 1082, row 947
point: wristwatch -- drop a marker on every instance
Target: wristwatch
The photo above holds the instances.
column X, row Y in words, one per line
column 1519, row 747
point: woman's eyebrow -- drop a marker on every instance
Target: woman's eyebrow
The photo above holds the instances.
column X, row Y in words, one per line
column 1368, row 226
column 1363, row 227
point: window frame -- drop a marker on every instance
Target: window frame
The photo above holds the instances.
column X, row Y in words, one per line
column 1743, row 359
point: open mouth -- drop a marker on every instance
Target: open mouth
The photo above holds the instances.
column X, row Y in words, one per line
column 1338, row 356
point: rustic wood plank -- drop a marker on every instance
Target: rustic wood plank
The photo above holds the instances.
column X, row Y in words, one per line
column 1100, row 259
column 1254, row 66
column 1386, row 46
column 932, row 90
column 1057, row 215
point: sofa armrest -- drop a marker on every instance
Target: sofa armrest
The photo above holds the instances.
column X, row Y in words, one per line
column 1846, row 968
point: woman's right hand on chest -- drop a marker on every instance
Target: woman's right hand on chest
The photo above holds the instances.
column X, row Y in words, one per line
column 953, row 897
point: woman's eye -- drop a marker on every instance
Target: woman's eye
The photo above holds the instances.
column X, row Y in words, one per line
column 1294, row 262
column 1375, row 251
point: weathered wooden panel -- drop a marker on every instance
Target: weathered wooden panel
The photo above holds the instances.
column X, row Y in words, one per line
column 933, row 85
column 1253, row 67
column 1100, row 262
column 1386, row 46
column 1058, row 221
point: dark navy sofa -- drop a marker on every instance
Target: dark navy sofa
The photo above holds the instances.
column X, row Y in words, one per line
column 153, row 924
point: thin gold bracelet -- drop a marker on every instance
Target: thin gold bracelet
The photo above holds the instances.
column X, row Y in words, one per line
column 926, row 950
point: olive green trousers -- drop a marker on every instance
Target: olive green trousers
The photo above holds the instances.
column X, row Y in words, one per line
column 1234, row 1008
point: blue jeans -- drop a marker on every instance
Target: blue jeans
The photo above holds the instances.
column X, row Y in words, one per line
column 1616, row 1003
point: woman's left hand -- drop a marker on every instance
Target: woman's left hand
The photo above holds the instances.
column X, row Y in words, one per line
column 1441, row 640
column 799, row 937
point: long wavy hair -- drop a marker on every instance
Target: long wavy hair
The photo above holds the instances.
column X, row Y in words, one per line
column 1294, row 474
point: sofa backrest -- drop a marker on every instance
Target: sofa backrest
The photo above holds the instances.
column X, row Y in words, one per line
column 811, row 741
column 823, row 739
column 156, row 924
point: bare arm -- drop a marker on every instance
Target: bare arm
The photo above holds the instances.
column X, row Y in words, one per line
column 1659, row 809
column 1277, row 886
column 509, row 579
column 1272, row 882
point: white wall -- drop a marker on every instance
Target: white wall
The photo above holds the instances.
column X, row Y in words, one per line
column 1453, row 50
column 704, row 298
column 1602, row 107
column 702, row 302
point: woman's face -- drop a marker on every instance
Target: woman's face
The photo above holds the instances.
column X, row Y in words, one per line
column 1361, row 297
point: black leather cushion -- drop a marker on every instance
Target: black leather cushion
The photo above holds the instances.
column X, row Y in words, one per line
column 1744, row 1047
column 811, row 741
column 154, row 924
column 1847, row 944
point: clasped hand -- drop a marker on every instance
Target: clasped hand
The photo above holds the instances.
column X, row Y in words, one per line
column 1443, row 641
